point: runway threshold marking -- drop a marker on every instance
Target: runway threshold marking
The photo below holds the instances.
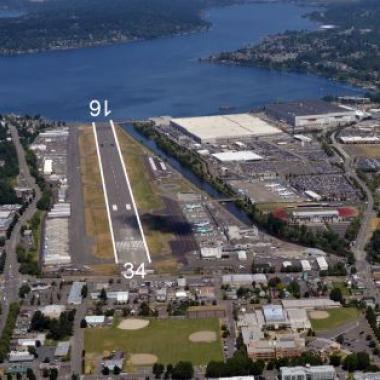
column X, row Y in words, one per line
column 105, row 194
column 130, row 192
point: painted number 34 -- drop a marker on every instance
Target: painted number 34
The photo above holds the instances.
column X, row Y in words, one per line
column 130, row 271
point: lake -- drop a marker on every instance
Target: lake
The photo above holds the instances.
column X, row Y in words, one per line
column 162, row 76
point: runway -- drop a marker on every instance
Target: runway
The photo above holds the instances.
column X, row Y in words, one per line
column 127, row 235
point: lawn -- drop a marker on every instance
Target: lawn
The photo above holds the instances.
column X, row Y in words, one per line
column 342, row 286
column 95, row 211
column 134, row 156
column 337, row 318
column 167, row 339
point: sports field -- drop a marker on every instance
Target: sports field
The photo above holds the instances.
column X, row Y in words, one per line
column 336, row 318
column 166, row 339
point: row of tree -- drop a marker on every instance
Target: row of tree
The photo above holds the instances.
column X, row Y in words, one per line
column 6, row 335
column 183, row 370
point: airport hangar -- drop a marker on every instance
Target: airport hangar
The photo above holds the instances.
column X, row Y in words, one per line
column 311, row 114
column 221, row 129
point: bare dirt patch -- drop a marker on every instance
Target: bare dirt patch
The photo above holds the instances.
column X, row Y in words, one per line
column 143, row 359
column 203, row 337
column 133, row 324
column 319, row 314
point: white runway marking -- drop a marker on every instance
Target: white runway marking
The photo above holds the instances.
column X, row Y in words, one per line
column 114, row 207
column 131, row 193
column 105, row 193
column 128, row 206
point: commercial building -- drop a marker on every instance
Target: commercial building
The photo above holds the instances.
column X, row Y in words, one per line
column 224, row 128
column 56, row 242
column 62, row 349
column 320, row 372
column 211, row 252
column 75, row 295
column 244, row 279
column 95, row 320
column 313, row 114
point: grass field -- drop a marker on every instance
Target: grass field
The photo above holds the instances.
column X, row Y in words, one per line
column 366, row 150
column 134, row 157
column 337, row 318
column 95, row 212
column 167, row 339
column 342, row 286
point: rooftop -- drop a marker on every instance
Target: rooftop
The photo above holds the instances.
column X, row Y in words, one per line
column 226, row 126
column 307, row 107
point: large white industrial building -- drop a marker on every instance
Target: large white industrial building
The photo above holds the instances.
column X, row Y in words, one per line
column 224, row 128
column 314, row 114
column 242, row 155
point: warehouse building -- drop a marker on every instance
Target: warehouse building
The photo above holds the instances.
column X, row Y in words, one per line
column 224, row 128
column 315, row 216
column 315, row 114
column 243, row 155
column 360, row 140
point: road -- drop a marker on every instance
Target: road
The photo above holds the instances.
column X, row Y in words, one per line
column 12, row 278
column 358, row 248
column 126, row 230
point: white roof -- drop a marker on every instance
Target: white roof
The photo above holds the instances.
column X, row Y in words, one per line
column 95, row 319
column 358, row 139
column 309, row 303
column 322, row 261
column 303, row 138
column 226, row 126
column 305, row 265
column 313, row 195
column 311, row 213
column 273, row 313
column 242, row 155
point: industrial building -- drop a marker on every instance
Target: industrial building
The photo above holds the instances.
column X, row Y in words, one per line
column 315, row 216
column 315, row 114
column 243, row 155
column 360, row 140
column 224, row 128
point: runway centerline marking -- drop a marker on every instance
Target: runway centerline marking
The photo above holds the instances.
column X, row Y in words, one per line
column 130, row 192
column 105, row 193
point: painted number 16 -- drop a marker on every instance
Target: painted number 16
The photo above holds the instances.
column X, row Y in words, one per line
column 98, row 108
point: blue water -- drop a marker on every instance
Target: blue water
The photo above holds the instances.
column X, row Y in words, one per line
column 10, row 13
column 162, row 76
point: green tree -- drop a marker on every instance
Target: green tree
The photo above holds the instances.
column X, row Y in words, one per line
column 336, row 295
column 158, row 370
column 183, row 370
